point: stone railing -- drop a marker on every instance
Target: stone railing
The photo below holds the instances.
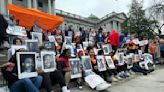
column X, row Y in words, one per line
column 61, row 12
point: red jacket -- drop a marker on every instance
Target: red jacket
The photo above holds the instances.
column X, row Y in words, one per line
column 113, row 38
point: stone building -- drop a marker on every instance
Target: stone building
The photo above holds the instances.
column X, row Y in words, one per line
column 110, row 21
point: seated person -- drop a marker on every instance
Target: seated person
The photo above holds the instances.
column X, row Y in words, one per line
column 10, row 73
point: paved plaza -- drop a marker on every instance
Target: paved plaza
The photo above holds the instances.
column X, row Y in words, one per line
column 153, row 82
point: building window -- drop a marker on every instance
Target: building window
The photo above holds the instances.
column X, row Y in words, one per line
column 40, row 4
column 19, row 0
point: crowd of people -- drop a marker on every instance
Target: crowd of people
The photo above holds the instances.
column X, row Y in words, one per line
column 130, row 46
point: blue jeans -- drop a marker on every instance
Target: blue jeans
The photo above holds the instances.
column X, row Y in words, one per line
column 27, row 85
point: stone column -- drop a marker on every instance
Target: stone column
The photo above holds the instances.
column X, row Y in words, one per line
column 35, row 4
column 115, row 25
column 10, row 1
column 53, row 7
column 49, row 7
column 29, row 4
column 119, row 27
column 3, row 9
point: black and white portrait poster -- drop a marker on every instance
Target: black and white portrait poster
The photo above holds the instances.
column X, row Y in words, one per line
column 85, row 45
column 101, row 63
column 86, row 63
column 75, row 68
column 48, row 61
column 121, row 59
column 68, row 40
column 49, row 46
column 17, row 47
column 67, row 46
column 110, row 62
column 136, row 58
column 26, row 62
column 37, row 36
column 107, row 49
column 129, row 61
column 52, row 39
column 32, row 45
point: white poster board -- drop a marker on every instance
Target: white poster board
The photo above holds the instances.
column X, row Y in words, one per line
column 27, row 65
column 37, row 36
column 32, row 45
column 110, row 62
column 16, row 30
column 121, row 59
column 101, row 63
column 48, row 61
column 75, row 68
column 87, row 65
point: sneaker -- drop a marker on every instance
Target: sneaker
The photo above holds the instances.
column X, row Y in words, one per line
column 102, row 86
column 131, row 72
column 80, row 87
column 64, row 89
column 118, row 77
column 113, row 79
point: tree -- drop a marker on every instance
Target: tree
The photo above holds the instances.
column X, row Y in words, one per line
column 137, row 21
column 156, row 12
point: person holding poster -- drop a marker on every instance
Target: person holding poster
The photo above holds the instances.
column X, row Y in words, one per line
column 10, row 71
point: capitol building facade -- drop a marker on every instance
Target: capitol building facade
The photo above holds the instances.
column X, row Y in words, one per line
column 110, row 21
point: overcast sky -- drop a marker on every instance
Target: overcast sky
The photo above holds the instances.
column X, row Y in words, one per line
column 97, row 7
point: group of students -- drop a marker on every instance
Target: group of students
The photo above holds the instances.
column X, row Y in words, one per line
column 62, row 75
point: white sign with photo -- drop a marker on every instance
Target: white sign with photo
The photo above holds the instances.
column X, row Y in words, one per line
column 121, row 59
column 68, row 40
column 26, row 63
column 71, row 48
column 51, row 39
column 85, row 45
column 49, row 45
column 101, row 63
column 75, row 68
column 16, row 30
column 17, row 47
column 107, row 49
column 37, row 36
column 143, row 42
column 32, row 45
column 48, row 61
column 87, row 65
column 129, row 61
column 110, row 62
column 136, row 58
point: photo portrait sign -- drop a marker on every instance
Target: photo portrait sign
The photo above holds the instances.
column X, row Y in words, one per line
column 32, row 45
column 37, row 36
column 49, row 45
column 107, row 49
column 48, row 61
column 51, row 39
column 16, row 30
column 101, row 63
column 71, row 48
column 26, row 63
column 17, row 47
column 68, row 40
column 121, row 59
column 87, row 65
column 75, row 68
column 110, row 62
column 85, row 45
